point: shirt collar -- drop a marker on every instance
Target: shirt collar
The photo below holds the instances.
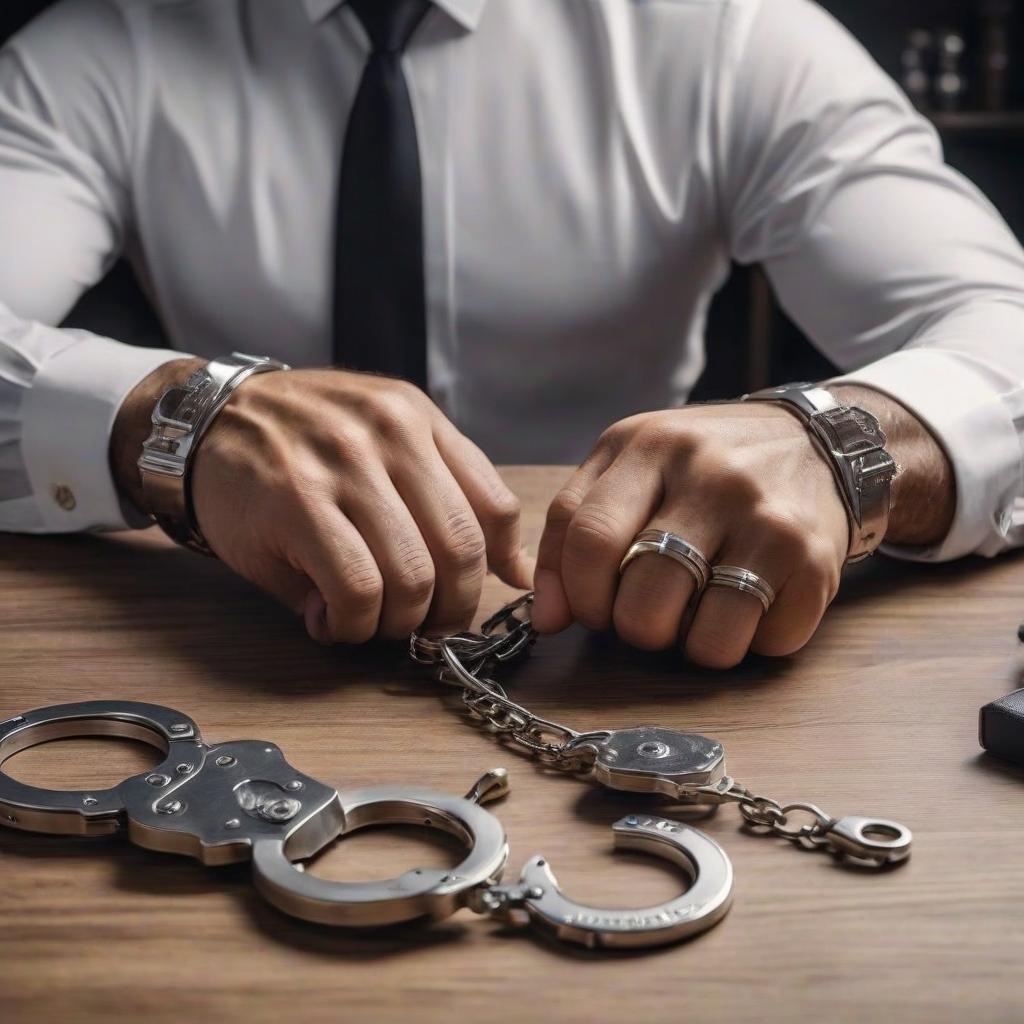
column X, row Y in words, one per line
column 466, row 12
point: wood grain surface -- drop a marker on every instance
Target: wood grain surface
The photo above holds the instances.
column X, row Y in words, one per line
column 877, row 715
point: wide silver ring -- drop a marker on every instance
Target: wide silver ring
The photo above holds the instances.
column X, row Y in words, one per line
column 661, row 542
column 748, row 582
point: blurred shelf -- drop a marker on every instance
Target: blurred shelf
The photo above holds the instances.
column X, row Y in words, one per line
column 979, row 125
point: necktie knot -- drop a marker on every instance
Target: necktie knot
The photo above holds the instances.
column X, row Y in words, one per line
column 389, row 23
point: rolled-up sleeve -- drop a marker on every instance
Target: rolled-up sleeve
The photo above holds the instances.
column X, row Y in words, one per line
column 66, row 113
column 893, row 263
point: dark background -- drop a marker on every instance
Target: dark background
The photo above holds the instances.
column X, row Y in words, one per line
column 751, row 342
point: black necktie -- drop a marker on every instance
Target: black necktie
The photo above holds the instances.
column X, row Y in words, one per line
column 379, row 306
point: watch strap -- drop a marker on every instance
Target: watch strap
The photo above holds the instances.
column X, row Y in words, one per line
column 180, row 418
column 853, row 444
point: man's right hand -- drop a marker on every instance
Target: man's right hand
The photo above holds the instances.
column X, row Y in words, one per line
column 348, row 496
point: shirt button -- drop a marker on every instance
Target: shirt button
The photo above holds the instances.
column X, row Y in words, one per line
column 65, row 497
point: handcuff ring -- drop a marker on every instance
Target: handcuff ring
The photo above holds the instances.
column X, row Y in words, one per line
column 433, row 893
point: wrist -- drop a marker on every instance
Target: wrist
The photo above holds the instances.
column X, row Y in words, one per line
column 923, row 498
column 852, row 444
column 134, row 423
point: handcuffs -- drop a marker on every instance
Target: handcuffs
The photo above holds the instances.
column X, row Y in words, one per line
column 241, row 800
column 685, row 767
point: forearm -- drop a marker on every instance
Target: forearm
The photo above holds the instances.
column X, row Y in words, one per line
column 924, row 488
column 133, row 424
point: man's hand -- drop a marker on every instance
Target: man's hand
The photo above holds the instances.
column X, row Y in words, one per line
column 350, row 497
column 745, row 484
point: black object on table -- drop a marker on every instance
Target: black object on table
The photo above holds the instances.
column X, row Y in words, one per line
column 1001, row 727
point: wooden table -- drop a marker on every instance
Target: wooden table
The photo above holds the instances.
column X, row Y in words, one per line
column 877, row 715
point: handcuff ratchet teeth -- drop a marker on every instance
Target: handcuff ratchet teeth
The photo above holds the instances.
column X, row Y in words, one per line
column 241, row 800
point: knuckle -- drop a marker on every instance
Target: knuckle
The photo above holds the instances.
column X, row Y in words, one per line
column 592, row 534
column 415, row 580
column 563, row 507
column 673, row 436
column 464, row 541
column 393, row 417
column 785, row 531
column 347, row 439
column 668, row 433
column 501, row 510
column 733, row 478
column 363, row 589
column 407, row 392
column 615, row 437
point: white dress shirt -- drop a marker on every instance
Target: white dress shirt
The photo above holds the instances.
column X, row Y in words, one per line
column 589, row 167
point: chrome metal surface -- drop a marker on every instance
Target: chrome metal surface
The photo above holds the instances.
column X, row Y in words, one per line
column 701, row 906
column 873, row 839
column 180, row 418
column 685, row 767
column 744, row 580
column 852, row 442
column 650, row 759
column 662, row 542
column 435, row 893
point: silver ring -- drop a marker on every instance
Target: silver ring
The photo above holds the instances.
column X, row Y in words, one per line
column 661, row 542
column 743, row 579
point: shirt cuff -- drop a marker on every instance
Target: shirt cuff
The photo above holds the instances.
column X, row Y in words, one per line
column 66, row 419
column 954, row 396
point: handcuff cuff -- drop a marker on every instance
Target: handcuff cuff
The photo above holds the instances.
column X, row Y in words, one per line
column 241, row 800
column 686, row 767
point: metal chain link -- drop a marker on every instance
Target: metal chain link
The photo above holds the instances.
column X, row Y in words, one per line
column 776, row 819
column 462, row 661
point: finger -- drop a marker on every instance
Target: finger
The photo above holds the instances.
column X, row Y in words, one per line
column 274, row 574
column 655, row 591
column 551, row 611
column 452, row 534
column 330, row 551
column 497, row 508
column 614, row 510
column 796, row 614
column 392, row 532
column 726, row 619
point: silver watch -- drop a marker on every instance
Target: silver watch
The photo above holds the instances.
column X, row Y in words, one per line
column 854, row 447
column 180, row 418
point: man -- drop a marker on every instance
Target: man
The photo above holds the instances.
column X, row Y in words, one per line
column 523, row 206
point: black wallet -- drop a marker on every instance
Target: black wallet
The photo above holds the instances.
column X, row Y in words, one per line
column 1001, row 727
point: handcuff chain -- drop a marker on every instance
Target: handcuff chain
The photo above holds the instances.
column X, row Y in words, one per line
column 765, row 813
column 462, row 660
